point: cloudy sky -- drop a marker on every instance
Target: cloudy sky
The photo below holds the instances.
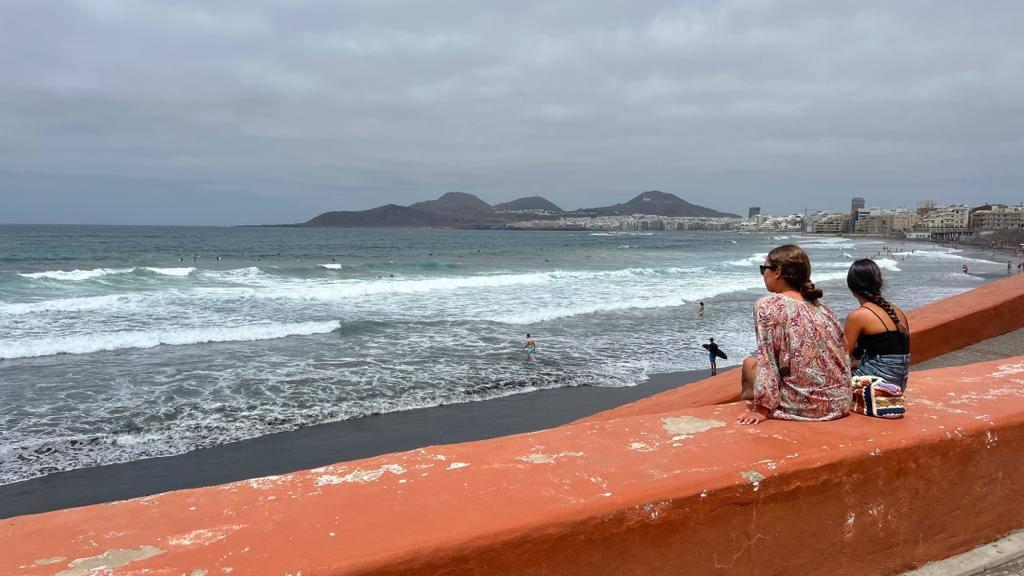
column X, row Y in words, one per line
column 196, row 112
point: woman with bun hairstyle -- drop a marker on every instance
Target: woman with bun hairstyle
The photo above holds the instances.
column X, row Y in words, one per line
column 877, row 333
column 802, row 367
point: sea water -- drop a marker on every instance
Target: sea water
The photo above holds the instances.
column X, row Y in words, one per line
column 122, row 343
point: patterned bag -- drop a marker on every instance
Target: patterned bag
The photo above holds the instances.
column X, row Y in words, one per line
column 873, row 396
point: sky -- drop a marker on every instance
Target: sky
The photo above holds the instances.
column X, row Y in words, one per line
column 250, row 112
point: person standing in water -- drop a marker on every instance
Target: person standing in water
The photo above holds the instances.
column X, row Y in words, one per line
column 530, row 346
column 700, row 310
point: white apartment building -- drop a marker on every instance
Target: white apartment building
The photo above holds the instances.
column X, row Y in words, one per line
column 956, row 216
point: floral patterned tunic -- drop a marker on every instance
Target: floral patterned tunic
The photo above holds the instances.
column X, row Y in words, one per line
column 803, row 368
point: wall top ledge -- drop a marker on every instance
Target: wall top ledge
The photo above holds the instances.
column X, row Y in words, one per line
column 372, row 514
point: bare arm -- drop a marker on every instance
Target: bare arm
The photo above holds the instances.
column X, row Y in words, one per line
column 852, row 330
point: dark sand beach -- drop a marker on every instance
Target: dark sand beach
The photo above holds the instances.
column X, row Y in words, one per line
column 326, row 444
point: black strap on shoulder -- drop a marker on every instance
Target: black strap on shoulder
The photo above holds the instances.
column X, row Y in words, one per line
column 877, row 316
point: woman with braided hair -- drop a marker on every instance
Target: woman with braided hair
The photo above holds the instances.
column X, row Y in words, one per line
column 801, row 370
column 877, row 333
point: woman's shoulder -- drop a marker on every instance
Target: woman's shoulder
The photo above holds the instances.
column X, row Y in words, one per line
column 770, row 301
column 858, row 313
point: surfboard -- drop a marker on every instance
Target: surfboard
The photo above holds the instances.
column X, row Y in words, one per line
column 718, row 352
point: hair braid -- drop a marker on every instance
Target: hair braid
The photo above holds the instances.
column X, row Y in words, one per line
column 876, row 299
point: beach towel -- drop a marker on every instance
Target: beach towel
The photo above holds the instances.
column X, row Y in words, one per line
column 873, row 396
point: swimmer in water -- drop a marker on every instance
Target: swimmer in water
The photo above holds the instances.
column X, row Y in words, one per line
column 700, row 310
column 531, row 347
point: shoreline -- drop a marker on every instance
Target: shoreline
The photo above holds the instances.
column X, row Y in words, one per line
column 328, row 443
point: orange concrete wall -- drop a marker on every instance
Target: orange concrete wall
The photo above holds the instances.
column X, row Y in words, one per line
column 684, row 492
column 680, row 491
column 936, row 329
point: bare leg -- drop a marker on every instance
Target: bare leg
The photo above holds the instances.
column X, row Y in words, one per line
column 747, row 378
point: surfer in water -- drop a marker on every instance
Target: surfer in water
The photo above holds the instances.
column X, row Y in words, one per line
column 700, row 312
column 531, row 347
column 713, row 352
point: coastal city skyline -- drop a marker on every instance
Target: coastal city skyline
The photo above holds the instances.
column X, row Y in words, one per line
column 241, row 113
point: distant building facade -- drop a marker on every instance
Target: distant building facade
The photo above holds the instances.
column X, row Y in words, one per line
column 753, row 211
column 997, row 217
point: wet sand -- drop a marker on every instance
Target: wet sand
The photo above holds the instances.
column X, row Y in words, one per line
column 327, row 444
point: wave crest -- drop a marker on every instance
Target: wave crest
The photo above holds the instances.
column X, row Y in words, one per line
column 89, row 343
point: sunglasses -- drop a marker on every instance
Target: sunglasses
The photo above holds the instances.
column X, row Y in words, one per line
column 769, row 267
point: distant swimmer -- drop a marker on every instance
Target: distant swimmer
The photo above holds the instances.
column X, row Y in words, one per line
column 180, row 259
column 700, row 310
column 530, row 346
column 218, row 258
column 964, row 268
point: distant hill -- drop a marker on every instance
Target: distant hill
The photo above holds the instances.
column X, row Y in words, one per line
column 528, row 203
column 658, row 204
column 390, row 215
column 455, row 204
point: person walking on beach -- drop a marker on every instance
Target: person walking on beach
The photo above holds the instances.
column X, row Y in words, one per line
column 531, row 348
column 1009, row 267
column 713, row 352
column 700, row 310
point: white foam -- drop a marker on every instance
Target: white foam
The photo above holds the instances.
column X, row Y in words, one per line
column 755, row 260
column 613, row 305
column 944, row 255
column 335, row 290
column 331, row 266
column 171, row 271
column 887, row 264
column 88, row 343
column 76, row 275
column 67, row 304
column 80, row 275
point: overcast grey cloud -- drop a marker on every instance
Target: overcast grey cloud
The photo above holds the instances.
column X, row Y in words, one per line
column 249, row 112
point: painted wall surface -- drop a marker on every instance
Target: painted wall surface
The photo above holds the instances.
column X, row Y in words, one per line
column 682, row 491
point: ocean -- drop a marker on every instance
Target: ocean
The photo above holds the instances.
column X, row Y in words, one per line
column 122, row 343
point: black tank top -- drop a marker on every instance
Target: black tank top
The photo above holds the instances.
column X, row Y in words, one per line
column 884, row 343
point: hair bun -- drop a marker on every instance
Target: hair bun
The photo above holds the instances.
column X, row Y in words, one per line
column 810, row 292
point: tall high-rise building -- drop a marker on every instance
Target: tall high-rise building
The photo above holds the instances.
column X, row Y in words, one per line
column 753, row 211
column 856, row 204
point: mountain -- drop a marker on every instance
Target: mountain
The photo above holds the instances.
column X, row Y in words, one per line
column 527, row 203
column 658, row 204
column 457, row 204
column 390, row 215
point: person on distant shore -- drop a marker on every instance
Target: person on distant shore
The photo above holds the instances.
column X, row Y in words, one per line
column 877, row 333
column 1009, row 267
column 700, row 310
column 531, row 347
column 713, row 351
column 801, row 370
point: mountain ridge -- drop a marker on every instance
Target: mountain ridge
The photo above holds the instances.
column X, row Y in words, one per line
column 462, row 209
